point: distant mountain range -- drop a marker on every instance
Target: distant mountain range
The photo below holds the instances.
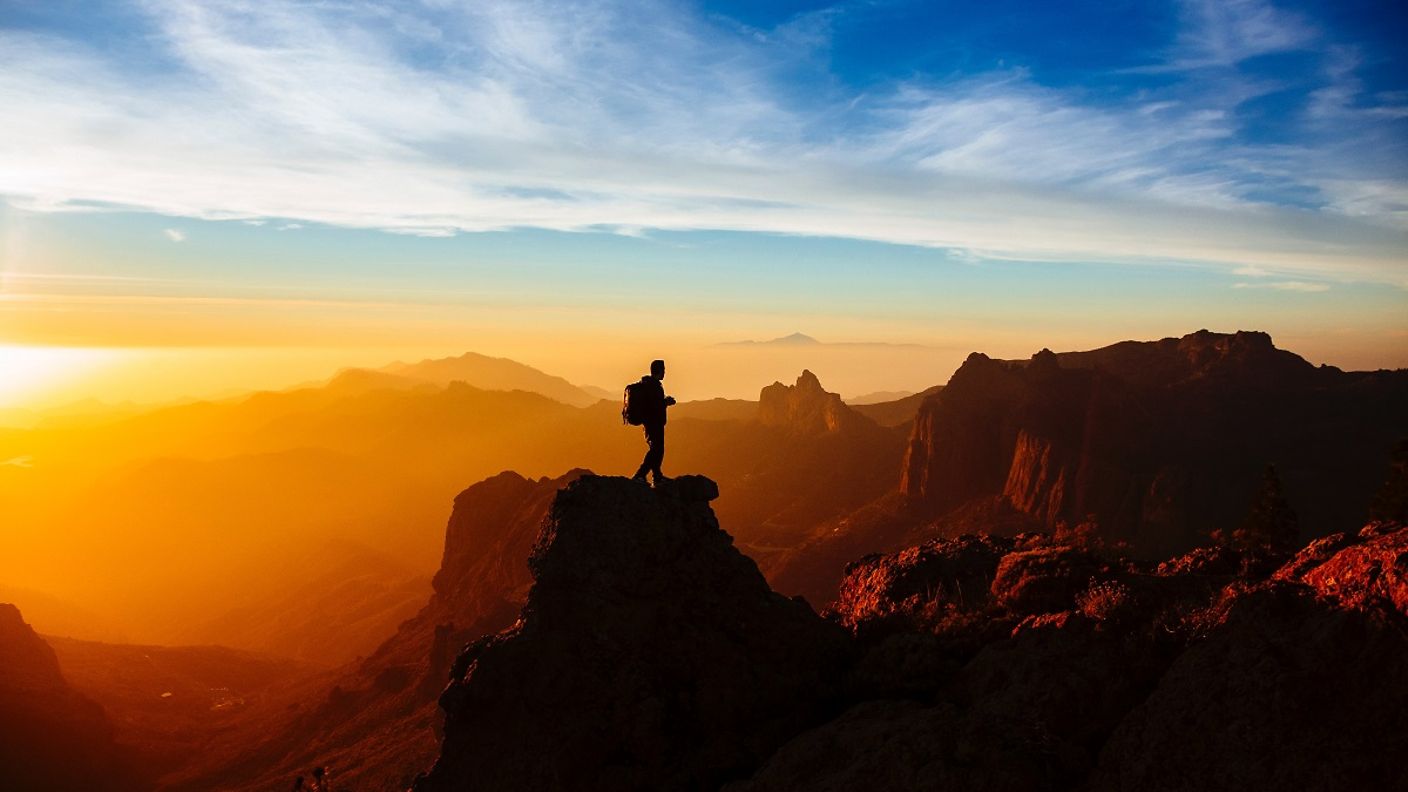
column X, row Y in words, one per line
column 473, row 369
column 801, row 340
column 243, row 502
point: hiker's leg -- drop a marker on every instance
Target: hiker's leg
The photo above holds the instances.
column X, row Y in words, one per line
column 655, row 438
column 646, row 464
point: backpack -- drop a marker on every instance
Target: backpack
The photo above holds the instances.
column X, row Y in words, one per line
column 634, row 403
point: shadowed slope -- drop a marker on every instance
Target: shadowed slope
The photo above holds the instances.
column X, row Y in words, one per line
column 51, row 737
column 651, row 655
column 1157, row 442
column 375, row 721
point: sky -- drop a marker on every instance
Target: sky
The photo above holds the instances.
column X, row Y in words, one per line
column 197, row 198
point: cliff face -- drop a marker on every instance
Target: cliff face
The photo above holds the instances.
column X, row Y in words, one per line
column 805, row 407
column 51, row 737
column 1157, row 442
column 651, row 654
column 376, row 723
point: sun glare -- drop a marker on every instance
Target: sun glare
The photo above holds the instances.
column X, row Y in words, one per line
column 30, row 373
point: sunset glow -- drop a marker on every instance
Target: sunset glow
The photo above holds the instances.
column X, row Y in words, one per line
column 32, row 374
column 1034, row 374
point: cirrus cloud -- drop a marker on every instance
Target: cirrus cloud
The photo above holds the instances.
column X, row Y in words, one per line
column 436, row 118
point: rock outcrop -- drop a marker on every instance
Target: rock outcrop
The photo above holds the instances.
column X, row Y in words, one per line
column 376, row 723
column 1157, row 443
column 1286, row 691
column 1368, row 572
column 1046, row 579
column 51, row 737
column 906, row 588
column 1202, row 672
column 805, row 407
column 805, row 459
column 651, row 654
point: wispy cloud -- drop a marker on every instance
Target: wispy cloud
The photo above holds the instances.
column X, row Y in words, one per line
column 441, row 118
column 1227, row 32
column 174, row 235
column 1292, row 286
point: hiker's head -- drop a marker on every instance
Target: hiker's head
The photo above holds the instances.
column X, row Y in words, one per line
column 657, row 369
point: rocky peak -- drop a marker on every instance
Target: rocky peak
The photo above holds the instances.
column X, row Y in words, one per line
column 805, row 408
column 1243, row 353
column 651, row 654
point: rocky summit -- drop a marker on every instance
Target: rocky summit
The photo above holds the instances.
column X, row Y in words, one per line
column 805, row 407
column 651, row 655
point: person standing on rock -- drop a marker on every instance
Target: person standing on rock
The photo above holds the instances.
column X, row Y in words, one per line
column 645, row 406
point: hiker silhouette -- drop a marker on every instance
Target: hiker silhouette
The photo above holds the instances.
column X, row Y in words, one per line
column 645, row 405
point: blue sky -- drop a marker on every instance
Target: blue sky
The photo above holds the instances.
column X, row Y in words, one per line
column 1222, row 163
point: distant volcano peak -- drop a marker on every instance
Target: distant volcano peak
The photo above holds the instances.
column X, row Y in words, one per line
column 795, row 338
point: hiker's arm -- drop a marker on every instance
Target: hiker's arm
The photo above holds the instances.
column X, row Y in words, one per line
column 669, row 401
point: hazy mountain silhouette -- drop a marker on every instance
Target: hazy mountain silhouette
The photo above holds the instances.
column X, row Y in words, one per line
column 795, row 339
column 237, row 504
column 374, row 721
column 169, row 703
column 234, row 503
column 58, row 616
column 335, row 604
column 52, row 737
column 491, row 373
column 877, row 397
column 801, row 340
column 894, row 412
column 716, row 410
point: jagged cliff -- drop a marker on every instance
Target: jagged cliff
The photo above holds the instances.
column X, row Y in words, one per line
column 1157, row 442
column 51, row 737
column 376, row 722
column 805, row 458
column 805, row 407
column 650, row 655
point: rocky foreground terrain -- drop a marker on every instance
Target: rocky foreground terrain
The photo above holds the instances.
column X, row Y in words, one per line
column 652, row 655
